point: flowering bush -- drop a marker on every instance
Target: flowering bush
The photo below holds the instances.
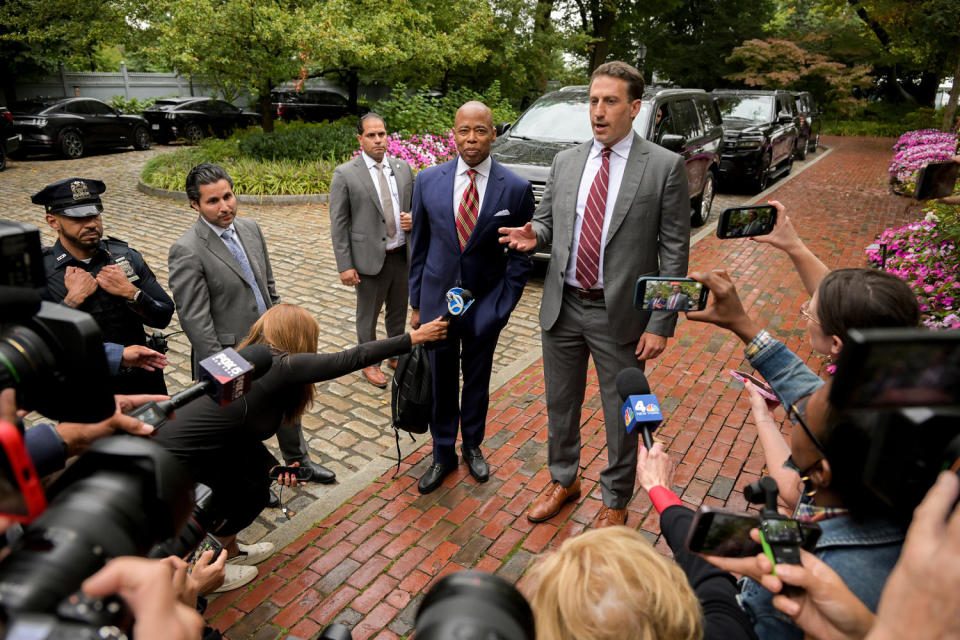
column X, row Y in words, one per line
column 423, row 151
column 913, row 150
column 926, row 259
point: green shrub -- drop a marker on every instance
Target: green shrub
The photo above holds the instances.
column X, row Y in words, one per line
column 301, row 141
column 881, row 119
column 418, row 114
column 131, row 105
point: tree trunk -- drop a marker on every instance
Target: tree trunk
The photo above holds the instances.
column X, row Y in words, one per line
column 353, row 88
column 951, row 111
column 542, row 31
column 266, row 107
column 603, row 18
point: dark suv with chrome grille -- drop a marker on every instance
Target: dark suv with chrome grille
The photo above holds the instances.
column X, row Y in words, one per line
column 759, row 135
column 683, row 120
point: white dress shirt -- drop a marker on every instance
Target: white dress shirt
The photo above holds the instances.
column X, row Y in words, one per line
column 462, row 181
column 220, row 231
column 399, row 239
column 618, row 163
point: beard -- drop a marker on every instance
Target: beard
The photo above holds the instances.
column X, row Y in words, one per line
column 87, row 238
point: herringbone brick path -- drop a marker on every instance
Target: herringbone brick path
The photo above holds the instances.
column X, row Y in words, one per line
column 368, row 563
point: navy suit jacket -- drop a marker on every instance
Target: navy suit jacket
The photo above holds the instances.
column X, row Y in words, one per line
column 494, row 275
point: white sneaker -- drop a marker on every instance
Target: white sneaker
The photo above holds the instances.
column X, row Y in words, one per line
column 251, row 554
column 235, row 577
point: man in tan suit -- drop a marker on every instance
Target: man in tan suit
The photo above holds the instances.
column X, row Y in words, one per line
column 369, row 221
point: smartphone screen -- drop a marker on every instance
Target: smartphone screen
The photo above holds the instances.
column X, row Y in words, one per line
column 209, row 543
column 678, row 295
column 746, row 222
column 762, row 387
column 723, row 533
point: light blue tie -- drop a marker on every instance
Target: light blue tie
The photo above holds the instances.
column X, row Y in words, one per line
column 240, row 256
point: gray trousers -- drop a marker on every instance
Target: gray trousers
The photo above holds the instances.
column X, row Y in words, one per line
column 390, row 286
column 582, row 331
column 293, row 446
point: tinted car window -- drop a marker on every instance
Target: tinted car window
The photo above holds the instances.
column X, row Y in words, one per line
column 97, row 108
column 78, row 108
column 753, row 108
column 688, row 119
column 707, row 114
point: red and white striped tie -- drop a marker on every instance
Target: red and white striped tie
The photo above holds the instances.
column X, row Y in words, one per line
column 591, row 230
column 467, row 211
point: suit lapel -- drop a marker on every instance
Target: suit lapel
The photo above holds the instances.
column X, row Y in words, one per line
column 400, row 177
column 570, row 185
column 217, row 248
column 491, row 200
column 448, row 175
column 363, row 174
column 632, row 175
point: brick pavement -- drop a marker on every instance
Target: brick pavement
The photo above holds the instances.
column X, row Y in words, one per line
column 368, row 563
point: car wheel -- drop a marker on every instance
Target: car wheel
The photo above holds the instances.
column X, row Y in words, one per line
column 801, row 151
column 815, row 144
column 3, row 158
column 141, row 139
column 193, row 132
column 701, row 209
column 762, row 179
column 71, row 144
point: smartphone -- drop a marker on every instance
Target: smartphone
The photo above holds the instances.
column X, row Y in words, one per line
column 21, row 496
column 721, row 532
column 936, row 180
column 207, row 544
column 746, row 222
column 670, row 294
column 301, row 473
column 765, row 390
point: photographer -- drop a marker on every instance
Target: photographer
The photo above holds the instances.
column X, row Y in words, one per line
column 222, row 446
column 861, row 540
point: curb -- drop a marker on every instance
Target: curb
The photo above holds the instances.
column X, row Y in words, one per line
column 180, row 196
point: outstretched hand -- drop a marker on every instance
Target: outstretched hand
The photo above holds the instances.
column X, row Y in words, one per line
column 724, row 308
column 430, row 331
column 520, row 238
column 655, row 467
column 783, row 236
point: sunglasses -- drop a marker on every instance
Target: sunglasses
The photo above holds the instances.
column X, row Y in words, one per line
column 805, row 312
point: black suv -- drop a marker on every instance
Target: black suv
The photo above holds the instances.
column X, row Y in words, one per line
column 71, row 125
column 316, row 101
column 689, row 124
column 195, row 118
column 9, row 139
column 810, row 123
column 759, row 135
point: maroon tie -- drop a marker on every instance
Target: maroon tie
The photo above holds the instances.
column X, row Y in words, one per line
column 467, row 211
column 588, row 254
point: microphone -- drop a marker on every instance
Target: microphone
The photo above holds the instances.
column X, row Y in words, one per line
column 458, row 301
column 224, row 376
column 640, row 407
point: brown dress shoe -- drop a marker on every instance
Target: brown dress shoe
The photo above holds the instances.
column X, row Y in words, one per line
column 551, row 500
column 610, row 517
column 374, row 376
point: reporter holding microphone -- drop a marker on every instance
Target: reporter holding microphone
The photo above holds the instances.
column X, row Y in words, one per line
column 222, row 446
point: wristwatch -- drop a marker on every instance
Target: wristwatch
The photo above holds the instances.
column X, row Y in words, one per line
column 136, row 297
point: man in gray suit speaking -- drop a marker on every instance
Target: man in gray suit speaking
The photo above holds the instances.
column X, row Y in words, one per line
column 369, row 222
column 614, row 209
column 222, row 282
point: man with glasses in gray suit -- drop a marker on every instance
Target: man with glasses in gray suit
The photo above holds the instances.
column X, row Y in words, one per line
column 369, row 222
column 629, row 216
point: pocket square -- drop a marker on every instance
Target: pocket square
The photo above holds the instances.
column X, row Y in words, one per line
column 505, row 212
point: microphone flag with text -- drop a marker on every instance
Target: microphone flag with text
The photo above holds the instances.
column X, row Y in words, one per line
column 641, row 409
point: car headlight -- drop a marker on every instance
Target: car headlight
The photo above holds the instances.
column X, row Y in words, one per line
column 749, row 143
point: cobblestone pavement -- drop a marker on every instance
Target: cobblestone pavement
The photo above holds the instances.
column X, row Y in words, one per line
column 369, row 562
column 348, row 428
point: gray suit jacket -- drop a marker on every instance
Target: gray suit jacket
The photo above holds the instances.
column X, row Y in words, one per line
column 649, row 234
column 357, row 225
column 215, row 304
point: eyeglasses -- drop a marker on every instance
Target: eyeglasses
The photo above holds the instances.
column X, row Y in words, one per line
column 805, row 312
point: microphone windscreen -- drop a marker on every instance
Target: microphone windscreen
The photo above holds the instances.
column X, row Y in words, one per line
column 260, row 356
column 467, row 295
column 632, row 382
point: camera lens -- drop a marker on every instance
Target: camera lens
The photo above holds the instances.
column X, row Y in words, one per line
column 470, row 605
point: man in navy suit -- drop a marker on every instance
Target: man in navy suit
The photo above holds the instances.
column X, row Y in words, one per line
column 457, row 208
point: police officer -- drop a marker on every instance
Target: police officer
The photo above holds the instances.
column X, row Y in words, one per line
column 105, row 278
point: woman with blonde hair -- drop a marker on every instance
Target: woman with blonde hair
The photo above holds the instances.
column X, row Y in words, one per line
column 222, row 446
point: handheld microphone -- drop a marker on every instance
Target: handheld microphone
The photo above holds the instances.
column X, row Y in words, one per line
column 641, row 409
column 458, row 301
column 224, row 376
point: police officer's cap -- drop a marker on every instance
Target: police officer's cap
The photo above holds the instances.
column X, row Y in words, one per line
column 73, row 197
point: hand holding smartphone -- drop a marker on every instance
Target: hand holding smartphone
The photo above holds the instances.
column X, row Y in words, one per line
column 721, row 532
column 676, row 295
column 302, row 474
column 762, row 387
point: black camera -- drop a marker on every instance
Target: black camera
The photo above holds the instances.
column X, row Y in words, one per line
column 472, row 605
column 780, row 537
column 118, row 499
column 52, row 355
column 202, row 521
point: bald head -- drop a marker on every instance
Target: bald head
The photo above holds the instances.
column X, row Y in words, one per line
column 473, row 132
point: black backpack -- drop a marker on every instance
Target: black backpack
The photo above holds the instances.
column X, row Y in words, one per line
column 411, row 395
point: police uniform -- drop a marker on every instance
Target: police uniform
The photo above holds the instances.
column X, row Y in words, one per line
column 121, row 321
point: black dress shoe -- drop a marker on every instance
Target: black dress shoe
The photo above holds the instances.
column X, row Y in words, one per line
column 477, row 465
column 318, row 473
column 274, row 501
column 434, row 476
